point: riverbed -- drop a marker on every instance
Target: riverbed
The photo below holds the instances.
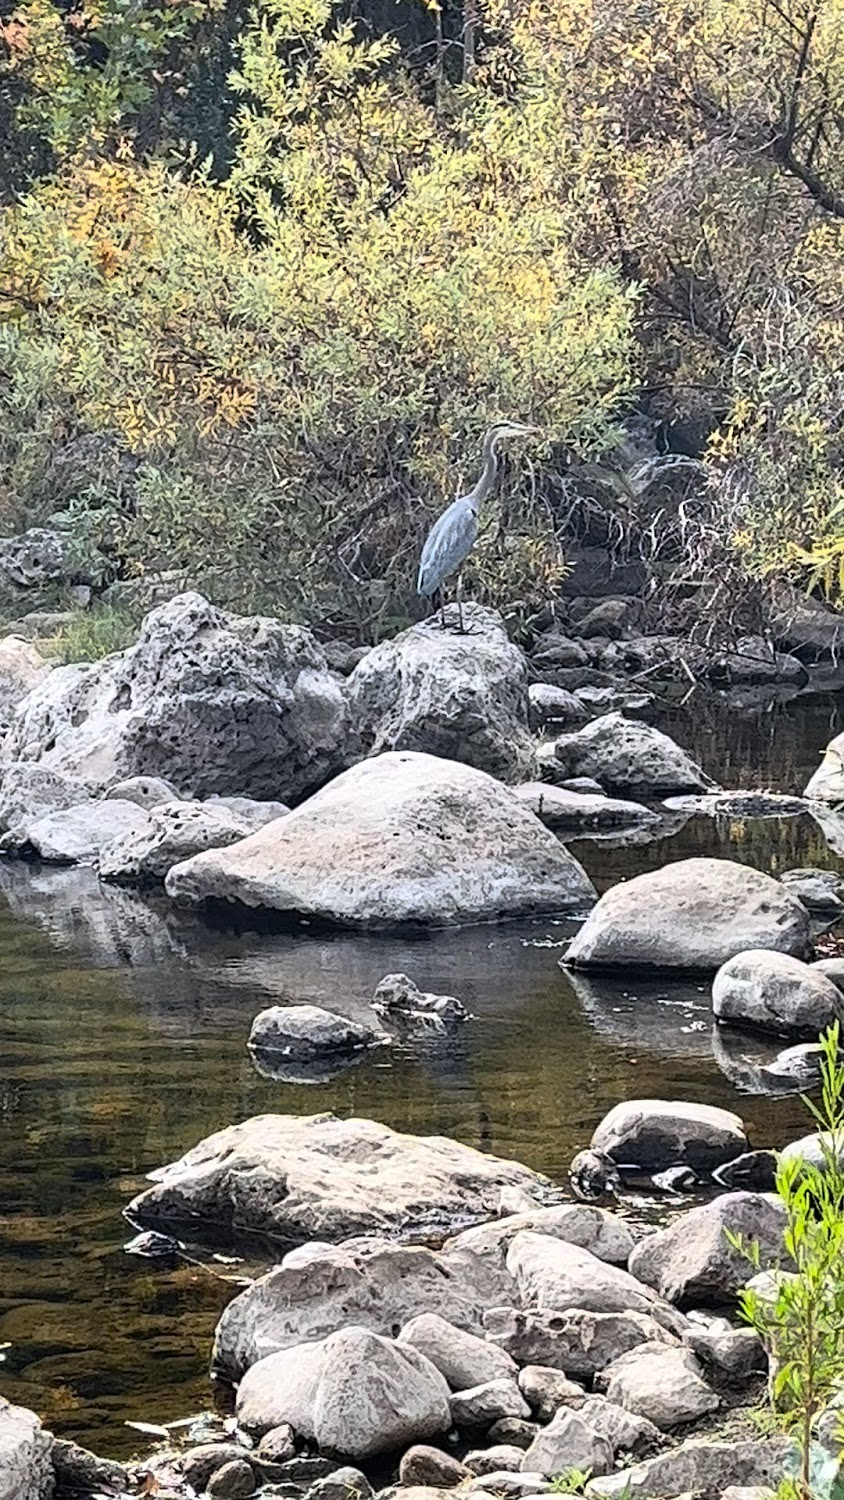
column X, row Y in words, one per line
column 122, row 1042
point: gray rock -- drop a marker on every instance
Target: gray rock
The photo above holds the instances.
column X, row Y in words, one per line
column 666, row 1386
column 216, row 702
column 77, row 834
column 608, row 619
column 578, row 1342
column 342, row 1178
column 171, row 833
column 586, row 785
column 278, row 1445
column 512, row 1432
column 691, row 1261
column 551, row 1274
column 546, row 1390
column 345, row 1483
column 397, row 995
column 401, row 838
column 819, row 890
column 700, row 1467
column 593, row 1174
column 630, row 758
column 462, row 697
column 29, row 792
column 573, row 812
column 484, row 1404
column 354, row 1393
column 814, row 1150
column 430, row 1466
column 145, row 791
column 654, row 1133
column 754, row 1063
column 234, row 1481
column 694, row 914
column 730, row 1353
column 626, row 1431
column 748, row 1492
column 753, row 1172
column 26, row 1472
column 833, row 968
column 464, row 1359
column 501, row 1456
column 827, row 783
column 374, row 1283
column 594, row 1229
column 753, row 661
column 508, row 1483
column 555, row 650
column 79, row 1472
column 30, row 559
column 253, row 814
column 568, row 1442
column 199, row 1464
column 776, row 993
column 22, row 667
column 740, row 804
column 805, row 625
column 305, row 1032
column 549, row 704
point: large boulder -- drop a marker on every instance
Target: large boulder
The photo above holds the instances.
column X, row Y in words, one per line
column 213, row 701
column 664, row 1385
column 700, row 1467
column 462, row 697
column 630, row 758
column 578, row 1342
column 355, row 1394
column 776, row 993
column 26, row 1472
column 76, row 835
column 170, row 833
column 299, row 1178
column 656, row 1133
column 401, row 838
column 694, row 914
column 22, row 667
column 692, row 1262
column 554, row 1275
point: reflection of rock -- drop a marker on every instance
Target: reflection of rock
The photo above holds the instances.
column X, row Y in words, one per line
column 278, row 1069
column 673, row 1017
column 739, row 805
column 756, row 1066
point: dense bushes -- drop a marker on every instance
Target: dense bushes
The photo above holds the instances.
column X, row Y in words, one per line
column 271, row 369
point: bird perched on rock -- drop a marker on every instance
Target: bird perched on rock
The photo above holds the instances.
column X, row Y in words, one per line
column 453, row 535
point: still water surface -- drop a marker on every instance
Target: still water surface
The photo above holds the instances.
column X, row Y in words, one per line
column 122, row 1043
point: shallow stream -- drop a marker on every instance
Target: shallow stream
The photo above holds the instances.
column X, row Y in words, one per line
column 122, row 1043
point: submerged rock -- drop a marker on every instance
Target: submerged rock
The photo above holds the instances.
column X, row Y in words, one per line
column 628, row 757
column 340, row 1177
column 694, row 914
column 754, row 1064
column 400, row 838
column 740, row 805
column 215, row 702
column 776, row 993
column 398, row 996
column 462, row 697
column 654, row 1133
column 307, row 1033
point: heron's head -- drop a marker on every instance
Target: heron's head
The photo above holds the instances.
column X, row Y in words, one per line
column 501, row 430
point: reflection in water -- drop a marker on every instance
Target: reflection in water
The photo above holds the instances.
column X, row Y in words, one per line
column 123, row 1028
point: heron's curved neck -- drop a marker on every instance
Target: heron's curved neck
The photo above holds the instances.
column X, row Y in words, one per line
column 489, row 470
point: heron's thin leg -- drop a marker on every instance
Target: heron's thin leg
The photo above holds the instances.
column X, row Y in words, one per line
column 443, row 621
column 458, row 594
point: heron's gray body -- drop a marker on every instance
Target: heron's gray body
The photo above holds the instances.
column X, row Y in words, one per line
column 448, row 544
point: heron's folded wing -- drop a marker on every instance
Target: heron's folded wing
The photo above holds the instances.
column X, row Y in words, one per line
column 448, row 544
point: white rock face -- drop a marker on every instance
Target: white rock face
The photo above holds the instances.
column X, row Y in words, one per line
column 170, row 833
column 340, row 1178
column 464, row 1359
column 630, row 758
column 692, row 1263
column 307, row 1032
column 827, row 783
column 695, row 914
column 76, row 835
column 22, row 667
column 776, row 993
column 401, row 838
column 355, row 1394
column 462, row 697
column 26, row 1472
column 666, row 1386
column 216, row 703
column 655, row 1133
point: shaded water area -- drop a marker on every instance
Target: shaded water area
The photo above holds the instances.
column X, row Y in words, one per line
column 122, row 1042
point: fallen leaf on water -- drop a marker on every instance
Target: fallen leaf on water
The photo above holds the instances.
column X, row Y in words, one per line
column 150, row 1428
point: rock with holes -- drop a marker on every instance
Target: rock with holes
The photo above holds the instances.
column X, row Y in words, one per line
column 403, row 837
column 464, row 1359
column 692, row 1262
column 776, row 993
column 30, row 792
column 693, row 914
column 657, row 1133
column 355, row 1394
column 76, row 835
column 630, row 759
column 26, row 1472
column 462, row 697
column 170, row 833
column 146, row 791
column 577, row 1342
column 215, row 702
column 666, row 1386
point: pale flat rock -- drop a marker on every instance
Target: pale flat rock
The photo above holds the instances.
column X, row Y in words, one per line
column 464, row 1359
column 578, row 1342
column 172, row 832
column 776, row 993
column 26, row 1472
column 354, row 1393
column 603, row 1234
column 657, row 1133
column 556, row 1276
column 699, row 1467
column 463, row 697
column 484, row 1404
column 305, row 1033
column 665, row 1386
column 630, row 758
column 694, row 914
column 76, row 835
column 400, row 838
column 692, row 1263
column 568, row 1442
column 574, row 812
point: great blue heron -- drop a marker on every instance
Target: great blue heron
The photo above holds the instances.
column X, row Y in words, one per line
column 453, row 535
